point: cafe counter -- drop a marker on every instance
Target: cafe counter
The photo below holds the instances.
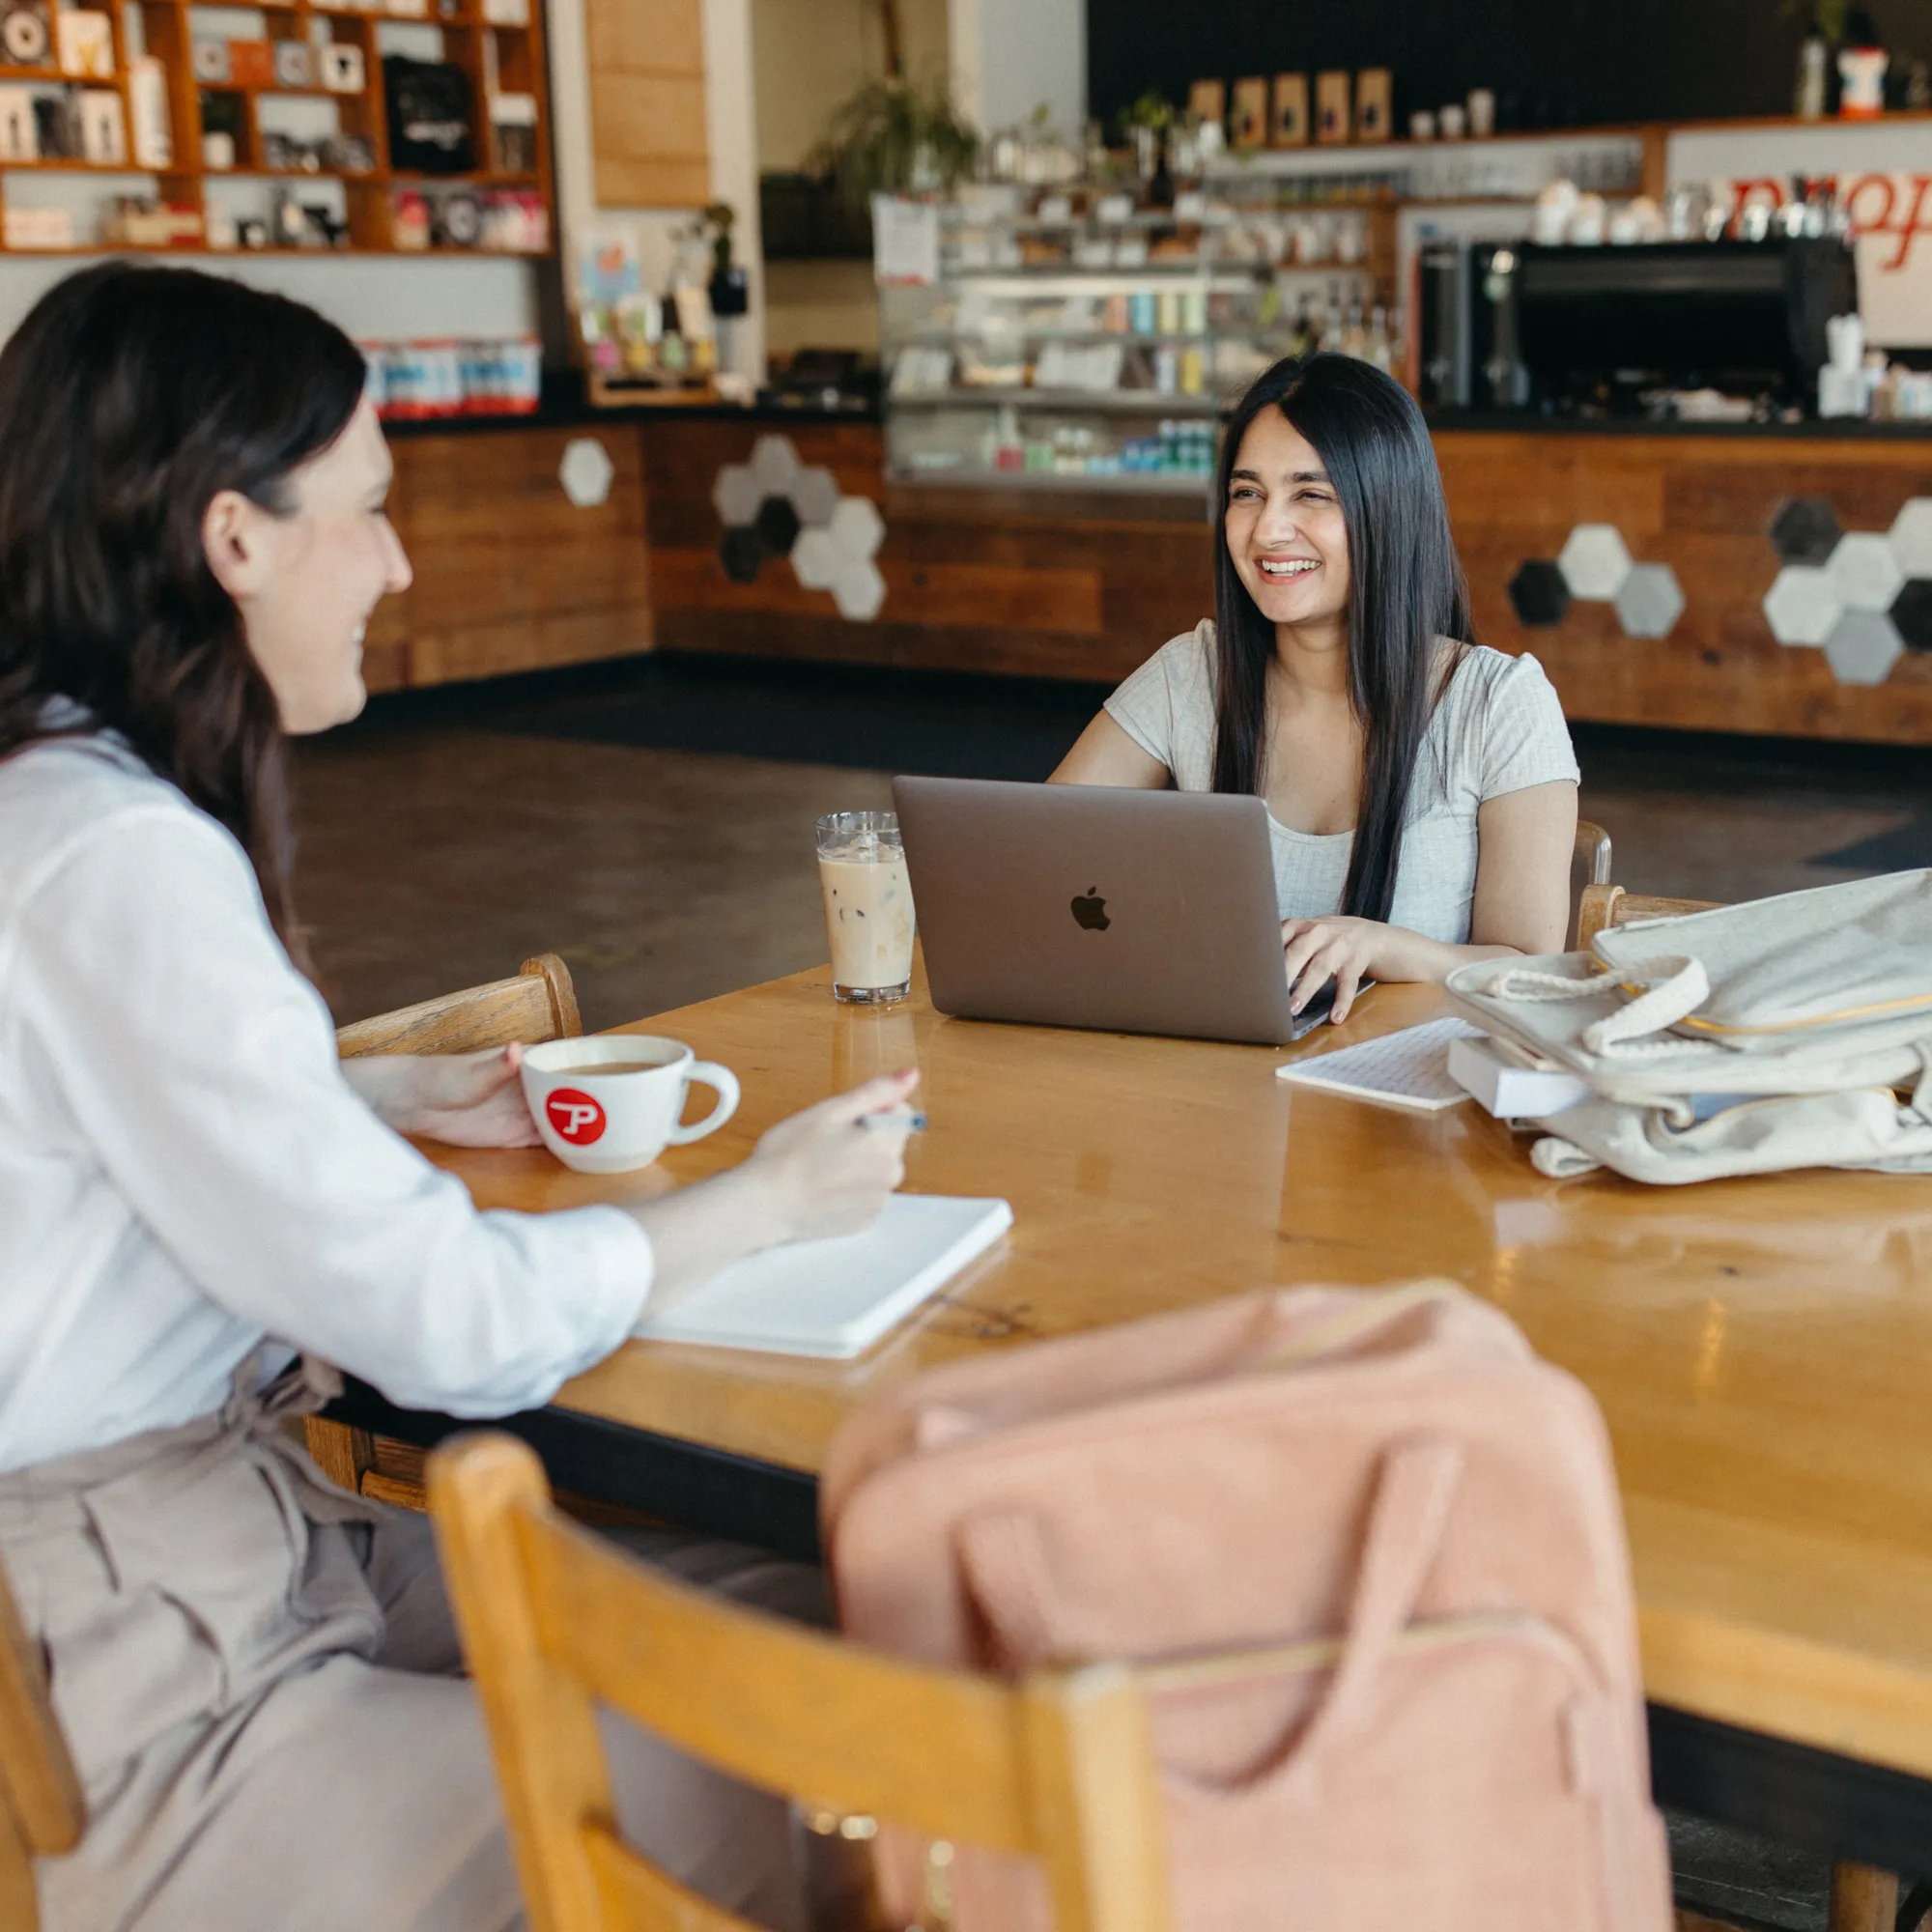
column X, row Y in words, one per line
column 1740, row 579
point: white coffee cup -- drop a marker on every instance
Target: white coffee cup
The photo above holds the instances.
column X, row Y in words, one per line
column 607, row 1104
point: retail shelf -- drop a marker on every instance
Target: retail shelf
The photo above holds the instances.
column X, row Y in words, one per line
column 1096, row 402
column 1145, row 483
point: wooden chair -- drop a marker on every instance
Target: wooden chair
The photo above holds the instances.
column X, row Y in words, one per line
column 43, row 1811
column 555, row 1621
column 1604, row 905
column 1589, row 865
column 539, row 1004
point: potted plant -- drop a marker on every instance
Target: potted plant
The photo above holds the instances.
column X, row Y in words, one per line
column 896, row 136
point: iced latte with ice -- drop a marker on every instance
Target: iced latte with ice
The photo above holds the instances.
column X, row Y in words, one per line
column 868, row 917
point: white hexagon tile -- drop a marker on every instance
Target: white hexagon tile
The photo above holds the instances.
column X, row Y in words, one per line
column 1594, row 561
column 815, row 496
column 736, row 495
column 857, row 589
column 775, row 463
column 857, row 526
column 1802, row 605
column 814, row 559
column 1862, row 647
column 1911, row 537
column 1865, row 571
column 1649, row 601
column 585, row 472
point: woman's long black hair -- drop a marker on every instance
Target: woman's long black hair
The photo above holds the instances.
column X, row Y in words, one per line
column 128, row 398
column 1406, row 591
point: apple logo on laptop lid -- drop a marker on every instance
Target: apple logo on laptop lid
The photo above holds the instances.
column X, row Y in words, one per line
column 1090, row 911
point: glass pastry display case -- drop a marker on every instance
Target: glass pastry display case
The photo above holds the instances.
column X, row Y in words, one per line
column 1080, row 341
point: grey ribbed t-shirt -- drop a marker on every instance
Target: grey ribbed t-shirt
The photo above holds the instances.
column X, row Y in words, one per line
column 1498, row 728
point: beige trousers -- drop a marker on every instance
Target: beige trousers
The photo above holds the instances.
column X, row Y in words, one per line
column 256, row 1674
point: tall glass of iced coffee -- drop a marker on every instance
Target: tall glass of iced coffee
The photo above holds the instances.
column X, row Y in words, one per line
column 868, row 921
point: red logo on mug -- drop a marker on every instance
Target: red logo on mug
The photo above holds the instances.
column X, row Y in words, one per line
column 574, row 1114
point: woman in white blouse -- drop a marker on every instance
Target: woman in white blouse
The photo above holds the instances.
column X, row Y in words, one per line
column 256, row 1671
column 1421, row 789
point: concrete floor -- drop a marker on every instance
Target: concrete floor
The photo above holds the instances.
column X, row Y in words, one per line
column 652, row 822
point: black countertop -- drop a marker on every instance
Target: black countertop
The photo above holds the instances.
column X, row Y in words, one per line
column 1531, row 422
column 565, row 404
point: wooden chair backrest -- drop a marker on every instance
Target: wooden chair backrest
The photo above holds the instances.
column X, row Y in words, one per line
column 1606, row 906
column 539, row 1004
column 555, row 1621
column 43, row 1811
column 1589, row 865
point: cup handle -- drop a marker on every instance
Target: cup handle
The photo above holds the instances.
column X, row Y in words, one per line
column 708, row 1074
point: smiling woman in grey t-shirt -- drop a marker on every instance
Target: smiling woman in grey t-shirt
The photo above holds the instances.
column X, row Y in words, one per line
column 1421, row 789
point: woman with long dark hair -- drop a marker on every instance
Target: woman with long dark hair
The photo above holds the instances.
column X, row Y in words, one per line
column 255, row 1671
column 1421, row 788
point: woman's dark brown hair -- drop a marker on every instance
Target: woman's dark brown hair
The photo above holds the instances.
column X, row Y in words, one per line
column 128, row 398
column 1406, row 591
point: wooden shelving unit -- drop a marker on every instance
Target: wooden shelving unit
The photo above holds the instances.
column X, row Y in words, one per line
column 495, row 58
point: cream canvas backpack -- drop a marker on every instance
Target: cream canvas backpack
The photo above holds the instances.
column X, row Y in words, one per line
column 1367, row 1549
column 1783, row 1033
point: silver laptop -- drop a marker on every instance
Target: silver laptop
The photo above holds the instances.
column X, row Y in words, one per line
column 1088, row 906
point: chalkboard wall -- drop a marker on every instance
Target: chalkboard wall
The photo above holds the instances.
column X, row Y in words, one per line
column 1551, row 63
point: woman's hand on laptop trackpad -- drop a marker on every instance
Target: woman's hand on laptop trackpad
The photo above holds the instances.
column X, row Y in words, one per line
column 1337, row 953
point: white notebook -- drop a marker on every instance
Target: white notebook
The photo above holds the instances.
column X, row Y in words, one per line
column 1409, row 1068
column 836, row 1299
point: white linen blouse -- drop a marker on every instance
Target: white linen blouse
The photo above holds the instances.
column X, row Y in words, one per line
column 185, row 1173
column 1498, row 727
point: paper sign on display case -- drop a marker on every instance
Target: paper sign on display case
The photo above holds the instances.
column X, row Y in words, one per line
column 905, row 242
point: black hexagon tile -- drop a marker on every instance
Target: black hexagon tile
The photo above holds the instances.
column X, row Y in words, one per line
column 778, row 523
column 1539, row 594
column 741, row 551
column 1911, row 613
column 1804, row 530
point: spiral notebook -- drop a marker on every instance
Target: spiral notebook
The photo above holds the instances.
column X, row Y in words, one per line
column 834, row 1299
column 1409, row 1068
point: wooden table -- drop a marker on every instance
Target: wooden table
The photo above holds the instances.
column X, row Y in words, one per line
column 1759, row 1348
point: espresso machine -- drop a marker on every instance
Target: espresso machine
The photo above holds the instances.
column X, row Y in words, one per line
column 1598, row 331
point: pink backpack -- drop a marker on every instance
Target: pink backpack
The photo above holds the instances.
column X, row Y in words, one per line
column 1408, row 1521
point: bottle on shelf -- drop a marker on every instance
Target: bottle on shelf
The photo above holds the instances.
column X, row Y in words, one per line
column 1380, row 349
column 1354, row 336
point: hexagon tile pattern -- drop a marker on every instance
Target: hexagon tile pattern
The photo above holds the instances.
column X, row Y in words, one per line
column 1911, row 614
column 1650, row 600
column 1594, row 561
column 1595, row 566
column 1539, row 594
column 1863, row 648
column 1804, row 530
column 1863, row 597
column 776, row 506
column 1802, row 605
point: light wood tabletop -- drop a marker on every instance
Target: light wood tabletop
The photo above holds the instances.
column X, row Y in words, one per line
column 1760, row 1347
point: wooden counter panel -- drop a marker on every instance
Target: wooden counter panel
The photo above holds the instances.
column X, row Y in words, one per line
column 969, row 584
column 1704, row 506
column 510, row 575
column 998, row 596
column 967, row 648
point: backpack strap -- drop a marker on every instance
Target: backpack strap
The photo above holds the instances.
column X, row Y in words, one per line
column 1414, row 1489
